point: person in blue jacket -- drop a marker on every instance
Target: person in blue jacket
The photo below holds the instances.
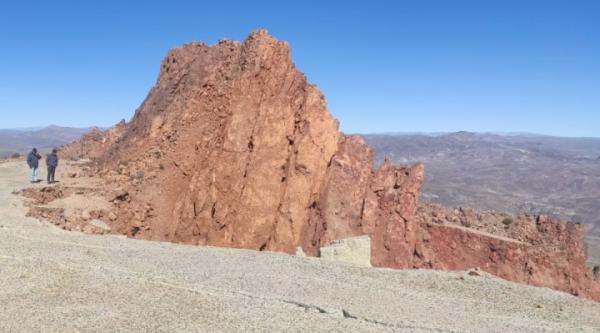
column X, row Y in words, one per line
column 33, row 159
column 51, row 163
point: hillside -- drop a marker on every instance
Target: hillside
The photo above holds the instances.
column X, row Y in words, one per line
column 517, row 173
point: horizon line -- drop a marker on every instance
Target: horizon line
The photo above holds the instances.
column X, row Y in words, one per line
column 388, row 133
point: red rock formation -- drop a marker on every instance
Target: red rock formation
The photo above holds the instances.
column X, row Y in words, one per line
column 549, row 254
column 93, row 144
column 233, row 147
column 237, row 142
column 356, row 200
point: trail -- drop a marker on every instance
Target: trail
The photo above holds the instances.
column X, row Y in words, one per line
column 57, row 281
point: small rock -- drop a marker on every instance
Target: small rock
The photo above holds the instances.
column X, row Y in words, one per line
column 72, row 174
column 300, row 252
column 88, row 229
column 112, row 216
column 100, row 225
column 86, row 215
column 475, row 272
column 121, row 195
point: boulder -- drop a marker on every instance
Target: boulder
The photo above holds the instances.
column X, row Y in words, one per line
column 354, row 250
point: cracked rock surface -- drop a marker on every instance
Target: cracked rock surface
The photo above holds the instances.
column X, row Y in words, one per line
column 52, row 280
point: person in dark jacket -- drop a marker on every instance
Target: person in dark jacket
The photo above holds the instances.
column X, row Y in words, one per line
column 51, row 163
column 33, row 159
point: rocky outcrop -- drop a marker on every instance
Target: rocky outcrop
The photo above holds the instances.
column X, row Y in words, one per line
column 93, row 144
column 233, row 147
column 532, row 249
column 237, row 142
column 355, row 200
column 245, row 154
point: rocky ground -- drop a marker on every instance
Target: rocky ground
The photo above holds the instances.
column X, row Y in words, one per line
column 77, row 201
column 52, row 280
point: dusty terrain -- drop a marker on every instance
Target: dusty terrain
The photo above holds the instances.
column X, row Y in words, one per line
column 53, row 280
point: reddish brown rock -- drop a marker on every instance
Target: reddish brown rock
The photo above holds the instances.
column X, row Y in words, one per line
column 539, row 251
column 235, row 139
column 355, row 200
column 233, row 147
column 43, row 195
column 338, row 211
column 93, row 144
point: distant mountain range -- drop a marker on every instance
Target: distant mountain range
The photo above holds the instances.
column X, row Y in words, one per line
column 517, row 172
column 21, row 141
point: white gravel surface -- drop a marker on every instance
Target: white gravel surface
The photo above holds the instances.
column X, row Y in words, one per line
column 57, row 281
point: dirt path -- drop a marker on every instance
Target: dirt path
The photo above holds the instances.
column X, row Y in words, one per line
column 57, row 281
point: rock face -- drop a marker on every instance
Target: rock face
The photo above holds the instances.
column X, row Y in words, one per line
column 532, row 249
column 245, row 154
column 237, row 142
column 356, row 200
column 93, row 144
column 233, row 147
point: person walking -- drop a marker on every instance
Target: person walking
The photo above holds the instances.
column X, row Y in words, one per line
column 33, row 159
column 51, row 163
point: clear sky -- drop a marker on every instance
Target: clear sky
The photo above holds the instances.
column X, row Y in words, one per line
column 384, row 66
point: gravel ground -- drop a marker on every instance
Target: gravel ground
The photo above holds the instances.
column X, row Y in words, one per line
column 57, row 281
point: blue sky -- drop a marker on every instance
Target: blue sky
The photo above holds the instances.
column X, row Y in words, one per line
column 384, row 66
